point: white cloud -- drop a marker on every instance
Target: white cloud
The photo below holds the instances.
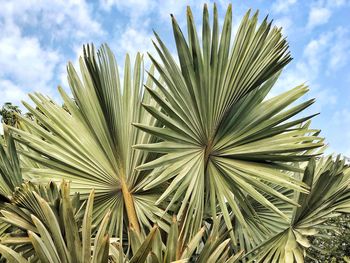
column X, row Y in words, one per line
column 286, row 23
column 308, row 67
column 177, row 8
column 136, row 10
column 9, row 92
column 319, row 56
column 161, row 9
column 28, row 62
column 62, row 19
column 321, row 11
column 142, row 5
column 318, row 16
column 282, row 6
column 136, row 35
column 62, row 70
column 316, row 49
column 24, row 65
column 342, row 117
column 337, row 3
column 326, row 53
column 174, row 9
column 340, row 49
column 133, row 40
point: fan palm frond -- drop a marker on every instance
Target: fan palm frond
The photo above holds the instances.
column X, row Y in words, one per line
column 54, row 232
column 10, row 171
column 89, row 140
column 10, row 174
column 222, row 138
column 329, row 182
column 207, row 245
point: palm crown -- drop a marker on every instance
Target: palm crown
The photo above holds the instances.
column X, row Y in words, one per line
column 194, row 163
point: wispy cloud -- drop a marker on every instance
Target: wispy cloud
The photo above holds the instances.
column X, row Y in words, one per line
column 25, row 65
column 340, row 49
column 132, row 41
column 281, row 6
column 326, row 53
column 321, row 11
column 136, row 10
column 30, row 62
column 318, row 16
column 59, row 19
column 286, row 23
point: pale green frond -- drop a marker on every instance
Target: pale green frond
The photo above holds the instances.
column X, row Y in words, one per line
column 227, row 140
column 10, row 171
column 89, row 141
column 329, row 192
column 11, row 255
column 55, row 235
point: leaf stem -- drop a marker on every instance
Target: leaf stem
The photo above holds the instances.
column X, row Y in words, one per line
column 129, row 205
column 207, row 152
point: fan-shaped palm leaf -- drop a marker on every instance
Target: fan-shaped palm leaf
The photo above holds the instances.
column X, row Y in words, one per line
column 90, row 141
column 54, row 233
column 329, row 181
column 10, row 171
column 10, row 174
column 207, row 245
column 49, row 215
column 223, row 140
column 271, row 223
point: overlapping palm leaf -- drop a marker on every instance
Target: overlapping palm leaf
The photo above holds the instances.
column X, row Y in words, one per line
column 207, row 245
column 329, row 181
column 53, row 232
column 10, row 171
column 271, row 223
column 223, row 140
column 10, row 174
column 89, row 141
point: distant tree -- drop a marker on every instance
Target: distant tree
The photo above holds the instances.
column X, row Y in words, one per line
column 8, row 114
column 334, row 244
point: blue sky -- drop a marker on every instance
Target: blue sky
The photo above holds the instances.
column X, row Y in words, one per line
column 39, row 37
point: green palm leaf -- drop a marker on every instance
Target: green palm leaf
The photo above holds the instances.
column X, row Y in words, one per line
column 208, row 245
column 53, row 231
column 10, row 171
column 222, row 139
column 59, row 239
column 10, row 174
column 89, row 141
column 329, row 182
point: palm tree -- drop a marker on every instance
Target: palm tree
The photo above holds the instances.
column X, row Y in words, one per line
column 196, row 163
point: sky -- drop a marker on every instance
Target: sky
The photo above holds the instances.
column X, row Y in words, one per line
column 38, row 38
